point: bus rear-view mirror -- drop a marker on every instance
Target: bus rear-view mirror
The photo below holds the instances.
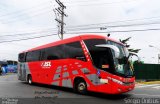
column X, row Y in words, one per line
column 134, row 54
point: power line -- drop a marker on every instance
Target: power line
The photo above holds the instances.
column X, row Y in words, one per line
column 22, row 10
column 31, row 29
column 138, row 30
column 16, row 17
column 153, row 29
column 28, row 33
column 17, row 14
column 113, row 26
column 129, row 20
column 27, row 38
column 81, row 1
column 100, row 4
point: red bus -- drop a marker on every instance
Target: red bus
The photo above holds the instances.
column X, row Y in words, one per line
column 84, row 63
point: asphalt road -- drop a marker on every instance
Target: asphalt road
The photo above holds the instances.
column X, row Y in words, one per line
column 13, row 91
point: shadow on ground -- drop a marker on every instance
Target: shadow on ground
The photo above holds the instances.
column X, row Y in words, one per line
column 89, row 94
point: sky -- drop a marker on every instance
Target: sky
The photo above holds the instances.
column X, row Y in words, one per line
column 26, row 19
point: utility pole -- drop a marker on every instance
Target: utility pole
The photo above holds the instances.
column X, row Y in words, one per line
column 60, row 21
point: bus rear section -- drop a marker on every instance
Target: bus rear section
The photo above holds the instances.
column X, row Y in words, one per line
column 80, row 64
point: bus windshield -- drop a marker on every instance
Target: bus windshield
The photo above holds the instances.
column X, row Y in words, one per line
column 103, row 58
column 123, row 66
column 12, row 62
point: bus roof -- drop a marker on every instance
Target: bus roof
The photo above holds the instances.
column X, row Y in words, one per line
column 73, row 39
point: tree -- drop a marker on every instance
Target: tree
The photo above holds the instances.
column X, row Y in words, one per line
column 124, row 41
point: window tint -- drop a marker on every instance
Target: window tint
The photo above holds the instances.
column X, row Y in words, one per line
column 21, row 57
column 9, row 62
column 15, row 62
column 33, row 56
column 74, row 50
column 53, row 53
column 70, row 50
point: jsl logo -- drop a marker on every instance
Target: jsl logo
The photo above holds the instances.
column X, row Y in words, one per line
column 46, row 64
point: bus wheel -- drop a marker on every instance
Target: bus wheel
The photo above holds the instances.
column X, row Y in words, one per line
column 81, row 87
column 29, row 80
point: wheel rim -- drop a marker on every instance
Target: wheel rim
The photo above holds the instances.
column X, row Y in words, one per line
column 30, row 81
column 81, row 87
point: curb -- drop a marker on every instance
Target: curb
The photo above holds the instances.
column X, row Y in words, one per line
column 150, row 82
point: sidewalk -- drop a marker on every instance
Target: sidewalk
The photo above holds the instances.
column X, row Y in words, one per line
column 149, row 82
column 7, row 74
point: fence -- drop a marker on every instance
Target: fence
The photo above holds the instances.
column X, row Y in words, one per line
column 147, row 71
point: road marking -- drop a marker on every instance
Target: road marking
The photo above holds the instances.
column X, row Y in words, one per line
column 157, row 87
column 145, row 95
column 142, row 86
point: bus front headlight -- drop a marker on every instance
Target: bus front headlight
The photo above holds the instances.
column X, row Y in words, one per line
column 117, row 81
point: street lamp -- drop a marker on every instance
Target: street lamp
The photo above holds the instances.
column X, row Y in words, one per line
column 158, row 54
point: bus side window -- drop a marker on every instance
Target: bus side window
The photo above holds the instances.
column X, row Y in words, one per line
column 33, row 56
column 51, row 57
column 74, row 50
column 52, row 53
column 21, row 57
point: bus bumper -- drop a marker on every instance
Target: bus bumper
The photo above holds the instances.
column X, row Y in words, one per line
column 122, row 88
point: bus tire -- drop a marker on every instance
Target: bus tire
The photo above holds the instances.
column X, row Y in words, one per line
column 81, row 87
column 29, row 80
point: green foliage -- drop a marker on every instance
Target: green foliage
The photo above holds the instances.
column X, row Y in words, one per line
column 124, row 41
